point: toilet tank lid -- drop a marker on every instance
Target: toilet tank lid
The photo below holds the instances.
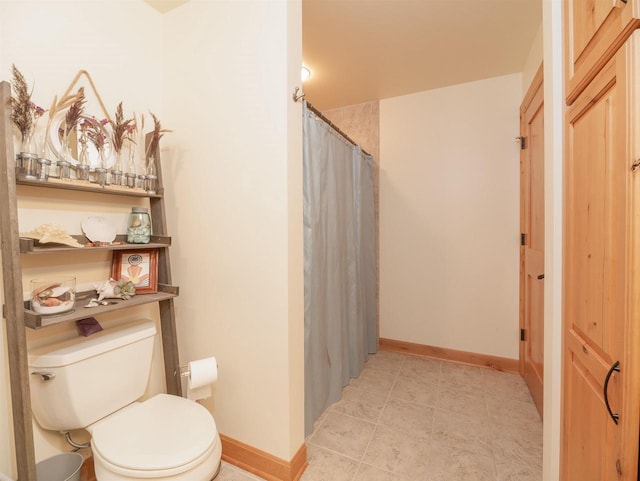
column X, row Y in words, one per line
column 79, row 348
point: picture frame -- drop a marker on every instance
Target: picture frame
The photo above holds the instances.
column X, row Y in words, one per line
column 139, row 266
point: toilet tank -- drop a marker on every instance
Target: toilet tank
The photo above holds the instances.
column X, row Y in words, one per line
column 90, row 377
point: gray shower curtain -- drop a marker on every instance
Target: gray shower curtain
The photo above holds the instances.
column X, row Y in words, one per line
column 339, row 264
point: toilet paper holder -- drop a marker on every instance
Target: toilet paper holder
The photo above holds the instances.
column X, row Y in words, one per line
column 185, row 370
column 197, row 377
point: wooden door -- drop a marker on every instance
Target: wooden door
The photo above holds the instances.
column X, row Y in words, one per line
column 601, row 260
column 595, row 29
column 532, row 239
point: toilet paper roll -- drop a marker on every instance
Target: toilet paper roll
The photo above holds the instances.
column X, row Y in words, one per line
column 203, row 373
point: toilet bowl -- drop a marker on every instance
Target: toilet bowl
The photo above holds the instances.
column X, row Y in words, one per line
column 97, row 384
column 165, row 437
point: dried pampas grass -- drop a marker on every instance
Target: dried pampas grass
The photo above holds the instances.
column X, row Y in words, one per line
column 156, row 135
column 21, row 103
column 122, row 129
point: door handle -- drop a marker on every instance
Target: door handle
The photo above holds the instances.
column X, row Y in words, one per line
column 541, row 276
column 614, row 368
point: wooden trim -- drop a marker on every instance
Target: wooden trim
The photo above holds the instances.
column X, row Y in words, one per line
column 261, row 463
column 580, row 70
column 536, row 83
column 482, row 360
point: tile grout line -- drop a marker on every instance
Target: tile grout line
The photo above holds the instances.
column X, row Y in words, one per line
column 377, row 423
column 492, row 423
column 433, row 420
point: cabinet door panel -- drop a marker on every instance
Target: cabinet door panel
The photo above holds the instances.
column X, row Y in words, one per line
column 600, row 322
column 594, row 31
column 587, row 406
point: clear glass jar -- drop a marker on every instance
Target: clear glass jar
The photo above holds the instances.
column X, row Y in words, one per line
column 29, row 165
column 64, row 170
column 83, row 172
column 101, row 176
column 139, row 226
column 131, row 180
column 151, row 183
column 43, row 169
column 116, row 177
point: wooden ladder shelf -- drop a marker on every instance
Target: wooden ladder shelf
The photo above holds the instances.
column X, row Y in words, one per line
column 17, row 318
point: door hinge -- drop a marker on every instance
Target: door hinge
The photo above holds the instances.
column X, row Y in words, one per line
column 522, row 334
column 523, row 239
column 523, row 142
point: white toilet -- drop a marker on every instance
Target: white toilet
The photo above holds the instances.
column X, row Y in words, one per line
column 95, row 383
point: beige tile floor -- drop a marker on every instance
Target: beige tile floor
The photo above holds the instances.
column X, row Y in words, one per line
column 414, row 419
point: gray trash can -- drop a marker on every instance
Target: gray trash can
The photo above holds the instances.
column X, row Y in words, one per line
column 62, row 467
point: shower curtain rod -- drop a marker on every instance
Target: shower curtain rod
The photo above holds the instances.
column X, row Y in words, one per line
column 297, row 97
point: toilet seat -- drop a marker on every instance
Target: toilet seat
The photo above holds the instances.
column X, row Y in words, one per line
column 163, row 436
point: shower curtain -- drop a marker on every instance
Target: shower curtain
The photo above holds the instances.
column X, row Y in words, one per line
column 339, row 264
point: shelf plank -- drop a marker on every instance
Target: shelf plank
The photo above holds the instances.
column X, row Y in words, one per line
column 36, row 321
column 31, row 246
column 88, row 187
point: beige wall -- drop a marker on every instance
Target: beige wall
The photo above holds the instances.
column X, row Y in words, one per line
column 449, row 207
column 235, row 202
column 533, row 61
column 233, row 180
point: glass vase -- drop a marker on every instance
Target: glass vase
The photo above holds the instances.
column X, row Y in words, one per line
column 151, row 179
column 102, row 160
column 151, row 166
column 45, row 151
column 27, row 144
column 83, row 162
column 116, row 171
column 64, row 159
column 133, row 155
column 101, row 176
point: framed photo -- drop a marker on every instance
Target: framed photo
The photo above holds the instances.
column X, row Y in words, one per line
column 139, row 266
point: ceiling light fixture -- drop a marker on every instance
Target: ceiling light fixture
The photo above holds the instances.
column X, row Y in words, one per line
column 305, row 74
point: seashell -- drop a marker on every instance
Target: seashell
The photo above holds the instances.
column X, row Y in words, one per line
column 106, row 289
column 59, row 291
column 45, row 294
column 51, row 302
column 53, row 233
column 42, row 290
column 93, row 303
column 98, row 229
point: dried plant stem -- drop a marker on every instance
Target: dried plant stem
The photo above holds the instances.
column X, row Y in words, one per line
column 75, row 112
column 122, row 129
column 156, row 135
column 21, row 106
